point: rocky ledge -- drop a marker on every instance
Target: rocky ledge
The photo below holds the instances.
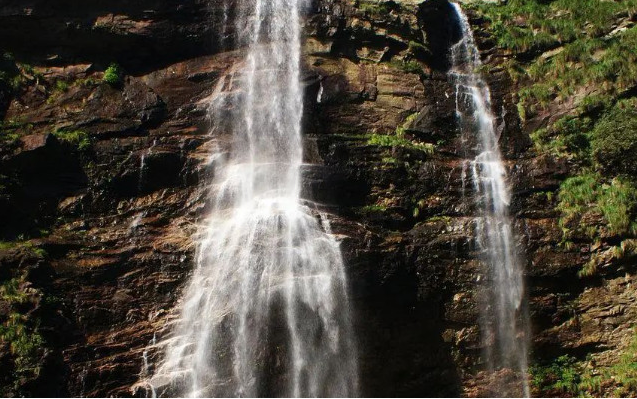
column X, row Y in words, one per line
column 104, row 160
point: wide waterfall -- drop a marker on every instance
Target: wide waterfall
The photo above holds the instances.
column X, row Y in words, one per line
column 504, row 320
column 266, row 311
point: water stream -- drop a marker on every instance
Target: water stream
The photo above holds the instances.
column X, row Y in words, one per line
column 504, row 321
column 266, row 310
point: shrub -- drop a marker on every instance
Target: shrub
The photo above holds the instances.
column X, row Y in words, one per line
column 615, row 141
column 616, row 202
column 113, row 75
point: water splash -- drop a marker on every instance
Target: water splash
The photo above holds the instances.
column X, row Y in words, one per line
column 266, row 310
column 504, row 315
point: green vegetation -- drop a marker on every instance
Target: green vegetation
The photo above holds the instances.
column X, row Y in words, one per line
column 581, row 48
column 582, row 195
column 373, row 209
column 600, row 200
column 9, row 137
column 609, row 64
column 528, row 25
column 10, row 77
column 11, row 130
column 402, row 129
column 408, row 66
column 418, row 50
column 624, row 372
column 568, row 376
column 113, row 75
column 614, row 139
column 19, row 331
column 77, row 138
column 377, row 8
column 569, row 137
column 59, row 87
column 384, row 140
column 560, row 376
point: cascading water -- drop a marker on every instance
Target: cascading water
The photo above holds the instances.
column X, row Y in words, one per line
column 504, row 316
column 266, row 311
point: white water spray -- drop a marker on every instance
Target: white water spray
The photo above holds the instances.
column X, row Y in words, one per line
column 266, row 310
column 504, row 318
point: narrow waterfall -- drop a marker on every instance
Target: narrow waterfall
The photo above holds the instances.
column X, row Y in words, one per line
column 504, row 321
column 266, row 311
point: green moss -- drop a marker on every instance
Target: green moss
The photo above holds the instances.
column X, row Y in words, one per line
column 77, row 138
column 113, row 75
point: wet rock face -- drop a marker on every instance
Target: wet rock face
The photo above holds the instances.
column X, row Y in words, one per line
column 117, row 213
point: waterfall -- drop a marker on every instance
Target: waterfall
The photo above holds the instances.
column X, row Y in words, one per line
column 504, row 320
column 265, row 312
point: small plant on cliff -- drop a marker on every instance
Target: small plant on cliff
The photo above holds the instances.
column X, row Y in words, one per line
column 113, row 75
column 19, row 331
column 402, row 129
column 377, row 8
column 560, row 376
column 624, row 372
column 384, row 140
column 77, row 138
column 410, row 66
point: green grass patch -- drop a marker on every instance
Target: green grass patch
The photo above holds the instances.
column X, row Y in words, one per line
column 569, row 137
column 383, row 140
column 76, row 138
column 567, row 376
column 586, row 195
column 527, row 25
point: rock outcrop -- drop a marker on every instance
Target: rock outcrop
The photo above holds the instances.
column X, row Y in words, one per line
column 102, row 187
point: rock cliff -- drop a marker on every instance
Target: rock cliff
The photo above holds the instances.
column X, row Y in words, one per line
column 104, row 159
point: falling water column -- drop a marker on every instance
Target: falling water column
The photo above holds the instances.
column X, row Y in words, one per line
column 504, row 318
column 266, row 311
